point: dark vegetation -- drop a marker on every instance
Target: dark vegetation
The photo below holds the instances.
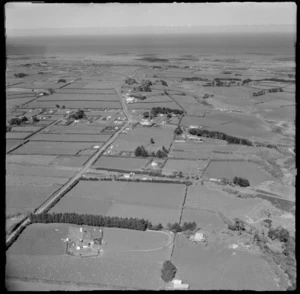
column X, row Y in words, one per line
column 206, row 95
column 157, row 110
column 263, row 92
column 130, row 81
column 144, row 87
column 168, row 271
column 280, row 234
column 241, row 182
column 153, row 59
column 140, row 151
column 220, row 136
column 176, row 228
column 93, row 220
column 61, row 81
column 238, row 225
column 20, row 75
column 164, row 83
column 79, row 114
column 17, row 121
column 178, row 131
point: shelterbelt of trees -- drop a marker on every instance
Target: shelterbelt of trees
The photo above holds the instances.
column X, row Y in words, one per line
column 220, row 136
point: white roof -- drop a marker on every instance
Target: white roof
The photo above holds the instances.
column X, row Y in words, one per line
column 176, row 281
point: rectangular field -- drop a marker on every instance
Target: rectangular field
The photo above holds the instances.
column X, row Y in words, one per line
column 74, row 129
column 244, row 169
column 11, row 144
column 122, row 163
column 75, row 104
column 55, row 148
column 141, row 105
column 186, row 166
column 79, row 97
column 17, row 135
column 70, row 137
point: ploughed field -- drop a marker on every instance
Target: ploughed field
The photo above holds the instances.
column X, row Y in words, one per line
column 130, row 259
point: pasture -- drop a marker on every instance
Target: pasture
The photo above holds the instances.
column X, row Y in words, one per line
column 130, row 259
column 70, row 137
column 244, row 169
column 221, row 268
column 122, row 163
column 54, row 148
column 213, row 200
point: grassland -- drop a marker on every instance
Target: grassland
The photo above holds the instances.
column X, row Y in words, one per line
column 45, row 156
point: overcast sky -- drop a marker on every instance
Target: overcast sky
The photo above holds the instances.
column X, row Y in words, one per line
column 64, row 16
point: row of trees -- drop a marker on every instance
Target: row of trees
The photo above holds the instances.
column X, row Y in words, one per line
column 220, row 136
column 94, row 220
column 176, row 228
column 140, row 151
column 164, row 110
column 20, row 120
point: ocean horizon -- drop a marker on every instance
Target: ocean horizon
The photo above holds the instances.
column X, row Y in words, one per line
column 174, row 44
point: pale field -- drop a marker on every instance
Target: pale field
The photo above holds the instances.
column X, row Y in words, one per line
column 86, row 91
column 205, row 220
column 75, row 104
column 17, row 135
column 121, row 163
column 11, row 144
column 54, row 148
column 74, row 129
column 186, row 166
column 79, row 97
column 46, row 171
column 153, row 194
column 10, row 103
column 221, row 268
column 29, row 159
column 123, row 263
column 35, row 180
column 154, row 214
column 248, row 170
column 162, row 136
column 29, row 129
column 201, row 197
column 70, row 137
column 23, row 198
column 141, row 105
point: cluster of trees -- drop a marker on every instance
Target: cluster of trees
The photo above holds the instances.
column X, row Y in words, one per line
column 246, row 81
column 238, row 225
column 164, row 83
column 241, row 182
column 61, row 81
column 279, row 233
column 140, row 151
column 93, row 220
column 139, row 97
column 206, row 95
column 163, row 110
column 168, row 271
column 274, row 90
column 176, row 228
column 79, row 114
column 17, row 120
column 20, row 75
column 144, row 87
column 130, row 81
column 178, row 131
column 219, row 136
column 58, row 106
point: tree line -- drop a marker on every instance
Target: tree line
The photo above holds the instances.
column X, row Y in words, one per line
column 165, row 110
column 219, row 136
column 94, row 220
column 140, row 151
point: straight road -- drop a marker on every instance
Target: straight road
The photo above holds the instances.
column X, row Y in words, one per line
column 59, row 193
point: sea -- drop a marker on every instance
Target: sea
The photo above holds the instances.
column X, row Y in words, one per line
column 278, row 44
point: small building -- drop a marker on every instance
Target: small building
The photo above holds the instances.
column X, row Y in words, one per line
column 126, row 176
column 181, row 287
column 154, row 164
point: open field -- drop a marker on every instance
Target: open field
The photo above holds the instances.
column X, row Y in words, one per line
column 23, row 198
column 74, row 129
column 75, row 104
column 17, row 135
column 79, row 97
column 220, row 268
column 121, row 163
column 186, row 166
column 203, row 198
column 143, row 105
column 251, row 171
column 55, row 148
column 125, row 263
column 70, row 137
column 11, row 144
column 152, row 194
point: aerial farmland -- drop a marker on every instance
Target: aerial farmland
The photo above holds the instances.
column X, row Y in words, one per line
column 121, row 164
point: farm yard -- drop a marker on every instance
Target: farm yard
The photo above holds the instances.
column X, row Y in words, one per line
column 124, row 263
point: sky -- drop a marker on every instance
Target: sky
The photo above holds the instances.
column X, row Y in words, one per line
column 40, row 16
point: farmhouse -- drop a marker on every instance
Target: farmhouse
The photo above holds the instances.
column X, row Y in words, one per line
column 84, row 242
column 178, row 285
